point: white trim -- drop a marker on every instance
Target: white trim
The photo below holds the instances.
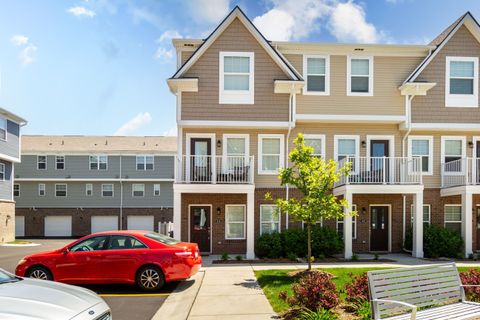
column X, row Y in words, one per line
column 446, row 126
column 233, row 124
column 159, row 189
column 64, row 161
column 474, row 150
column 188, row 153
column 461, row 100
column 212, row 188
column 281, row 162
column 357, row 147
column 389, row 225
column 318, row 137
column 133, row 190
column 89, row 153
column 144, row 156
column 463, row 139
column 245, row 136
column 279, row 216
column 19, row 192
column 429, row 214
column 46, row 162
column 444, row 214
column 378, row 189
column 430, row 151
column 66, row 190
column 244, row 221
column 354, row 222
column 211, row 222
column 349, row 118
column 86, row 189
column 9, row 158
column 391, row 143
column 326, row 75
column 113, row 190
column 44, row 189
column 4, row 127
column 4, row 172
column 97, row 156
column 236, row 96
column 370, row 76
column 97, row 179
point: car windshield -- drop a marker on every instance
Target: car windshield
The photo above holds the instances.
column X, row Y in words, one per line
column 5, row 277
column 161, row 238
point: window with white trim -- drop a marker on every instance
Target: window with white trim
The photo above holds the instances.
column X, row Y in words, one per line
column 269, row 219
column 360, row 76
column 61, row 190
column 235, row 148
column 138, row 189
column 41, row 189
column 461, row 82
column 453, row 217
column 317, row 142
column 347, row 147
column 89, row 189
column 107, row 190
column 2, row 172
column 60, row 162
column 156, row 189
column 145, row 162
column 422, row 147
column 271, row 153
column 236, row 78
column 426, row 214
column 98, row 162
column 41, row 162
column 354, row 224
column 316, row 72
column 3, row 128
column 234, row 222
column 453, row 150
column 16, row 190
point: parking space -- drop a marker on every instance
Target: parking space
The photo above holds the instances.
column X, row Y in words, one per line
column 126, row 302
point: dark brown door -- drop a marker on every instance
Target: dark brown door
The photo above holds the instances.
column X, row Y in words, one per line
column 200, row 227
column 379, row 228
column 478, row 227
column 476, row 162
column 200, row 160
column 378, row 164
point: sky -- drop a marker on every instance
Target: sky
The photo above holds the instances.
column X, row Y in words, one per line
column 99, row 67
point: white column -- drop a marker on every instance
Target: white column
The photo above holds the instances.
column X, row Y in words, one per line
column 417, row 231
column 347, row 227
column 177, row 214
column 467, row 222
column 250, row 225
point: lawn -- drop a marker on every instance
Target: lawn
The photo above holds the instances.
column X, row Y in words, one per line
column 19, row 242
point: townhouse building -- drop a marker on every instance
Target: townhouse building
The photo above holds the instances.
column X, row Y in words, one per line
column 406, row 116
column 10, row 125
column 70, row 186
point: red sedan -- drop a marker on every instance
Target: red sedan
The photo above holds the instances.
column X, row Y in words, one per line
column 131, row 257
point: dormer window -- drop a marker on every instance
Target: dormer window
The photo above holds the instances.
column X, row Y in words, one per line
column 236, row 73
column 3, row 129
column 360, row 76
column 316, row 72
column 461, row 82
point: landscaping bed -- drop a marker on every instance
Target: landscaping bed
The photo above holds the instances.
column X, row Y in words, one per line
column 286, row 261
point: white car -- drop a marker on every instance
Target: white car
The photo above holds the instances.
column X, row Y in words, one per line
column 28, row 299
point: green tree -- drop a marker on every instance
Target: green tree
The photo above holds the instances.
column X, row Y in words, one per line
column 314, row 177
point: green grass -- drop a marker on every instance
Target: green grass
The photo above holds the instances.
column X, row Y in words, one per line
column 19, row 242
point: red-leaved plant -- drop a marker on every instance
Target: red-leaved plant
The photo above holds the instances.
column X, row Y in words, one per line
column 357, row 290
column 471, row 276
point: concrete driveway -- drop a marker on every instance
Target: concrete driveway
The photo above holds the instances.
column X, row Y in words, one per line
column 126, row 302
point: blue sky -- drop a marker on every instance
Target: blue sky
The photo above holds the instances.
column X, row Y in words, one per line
column 98, row 67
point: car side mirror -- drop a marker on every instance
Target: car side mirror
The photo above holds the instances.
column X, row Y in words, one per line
column 65, row 250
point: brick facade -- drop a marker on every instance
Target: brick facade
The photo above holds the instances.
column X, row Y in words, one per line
column 7, row 221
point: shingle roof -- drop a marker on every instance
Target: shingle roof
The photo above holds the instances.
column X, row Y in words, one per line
column 444, row 34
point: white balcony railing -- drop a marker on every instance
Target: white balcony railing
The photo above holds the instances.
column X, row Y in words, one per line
column 461, row 172
column 215, row 169
column 382, row 170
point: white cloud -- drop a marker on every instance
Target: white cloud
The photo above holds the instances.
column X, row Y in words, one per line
column 165, row 51
column 209, row 11
column 169, row 35
column 19, row 40
column 172, row 132
column 146, row 15
column 81, row 11
column 28, row 54
column 163, row 54
column 134, row 124
column 276, row 24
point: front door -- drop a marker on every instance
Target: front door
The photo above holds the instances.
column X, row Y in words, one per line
column 200, row 160
column 476, row 162
column 379, row 228
column 379, row 152
column 478, row 227
column 200, row 227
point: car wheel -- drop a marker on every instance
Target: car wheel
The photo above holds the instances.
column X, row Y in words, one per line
column 39, row 272
column 150, row 278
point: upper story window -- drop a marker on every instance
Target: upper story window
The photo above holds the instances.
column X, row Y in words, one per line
column 347, row 147
column 42, row 162
column 360, row 76
column 236, row 78
column 235, row 148
column 271, row 153
column 2, row 172
column 453, row 150
column 317, row 74
column 61, row 190
column 145, row 162
column 41, row 189
column 98, row 162
column 419, row 146
column 138, row 189
column 3, row 128
column 156, row 189
column 317, row 142
column 107, row 190
column 60, row 162
column 89, row 189
column 461, row 82
column 16, row 190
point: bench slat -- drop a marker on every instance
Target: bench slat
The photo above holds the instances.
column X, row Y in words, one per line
column 398, row 291
column 387, row 284
column 412, row 273
column 457, row 311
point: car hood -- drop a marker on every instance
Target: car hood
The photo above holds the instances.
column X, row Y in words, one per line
column 41, row 299
column 39, row 254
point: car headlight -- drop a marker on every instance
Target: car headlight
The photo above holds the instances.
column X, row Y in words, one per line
column 22, row 261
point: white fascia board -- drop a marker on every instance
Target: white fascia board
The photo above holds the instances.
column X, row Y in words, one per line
column 96, row 179
column 349, row 118
column 9, row 158
column 446, row 126
column 232, row 124
column 212, row 188
column 378, row 189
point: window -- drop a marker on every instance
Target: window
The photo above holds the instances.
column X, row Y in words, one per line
column 453, row 217
column 90, row 244
column 145, row 162
column 138, row 189
column 42, row 162
column 269, row 220
column 60, row 162
column 234, row 222
column 124, row 242
column 2, row 172
column 317, row 142
column 41, row 189
column 426, row 214
column 360, row 76
column 236, row 78
column 271, row 149
column 60, row 190
column 235, row 148
column 347, row 147
column 16, row 190
column 422, row 147
column 461, row 82
column 98, row 162
column 453, row 150
column 354, row 224
column 156, row 189
column 316, row 70
column 89, row 189
column 107, row 190
column 3, row 128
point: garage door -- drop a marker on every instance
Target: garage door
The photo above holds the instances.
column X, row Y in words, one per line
column 19, row 226
column 140, row 223
column 58, row 226
column 104, row 223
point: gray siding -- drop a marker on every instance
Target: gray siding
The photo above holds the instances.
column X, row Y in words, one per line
column 6, row 186
column 11, row 147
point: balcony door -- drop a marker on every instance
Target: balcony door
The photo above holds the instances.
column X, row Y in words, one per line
column 379, row 166
column 476, row 161
column 200, row 159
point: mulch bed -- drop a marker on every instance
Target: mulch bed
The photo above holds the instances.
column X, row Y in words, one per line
column 284, row 260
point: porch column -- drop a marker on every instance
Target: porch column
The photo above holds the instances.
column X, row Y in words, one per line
column 467, row 222
column 250, row 225
column 347, row 227
column 417, row 251
column 177, row 214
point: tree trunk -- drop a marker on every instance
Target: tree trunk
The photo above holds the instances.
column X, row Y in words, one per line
column 309, row 246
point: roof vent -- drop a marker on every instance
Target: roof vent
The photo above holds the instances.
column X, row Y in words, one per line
column 106, row 142
column 359, row 49
column 63, row 142
column 188, row 45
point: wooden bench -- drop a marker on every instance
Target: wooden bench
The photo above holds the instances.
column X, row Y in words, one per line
column 398, row 294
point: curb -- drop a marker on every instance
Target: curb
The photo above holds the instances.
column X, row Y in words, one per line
column 179, row 303
column 19, row 245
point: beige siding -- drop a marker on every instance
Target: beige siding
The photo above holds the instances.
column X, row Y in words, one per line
column 389, row 74
column 203, row 105
column 186, row 55
column 431, row 108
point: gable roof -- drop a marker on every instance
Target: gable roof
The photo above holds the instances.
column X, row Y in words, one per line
column 466, row 20
column 238, row 13
column 13, row 117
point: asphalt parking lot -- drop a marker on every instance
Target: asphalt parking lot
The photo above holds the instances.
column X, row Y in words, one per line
column 126, row 302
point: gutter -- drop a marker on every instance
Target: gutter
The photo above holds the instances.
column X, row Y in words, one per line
column 408, row 109
column 292, row 101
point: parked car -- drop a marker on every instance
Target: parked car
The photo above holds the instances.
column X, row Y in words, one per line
column 144, row 258
column 25, row 299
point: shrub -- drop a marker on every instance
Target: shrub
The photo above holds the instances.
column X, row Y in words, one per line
column 294, row 241
column 441, row 242
column 269, row 246
column 357, row 290
column 225, row 256
column 364, row 310
column 326, row 242
column 292, row 256
column 320, row 314
column 408, row 243
column 471, row 276
column 354, row 257
column 239, row 258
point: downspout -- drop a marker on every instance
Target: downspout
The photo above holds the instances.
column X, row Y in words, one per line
column 121, row 195
column 408, row 110
column 291, row 103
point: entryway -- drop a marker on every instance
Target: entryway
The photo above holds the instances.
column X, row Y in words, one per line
column 200, row 226
column 201, row 160
column 379, row 228
column 379, row 163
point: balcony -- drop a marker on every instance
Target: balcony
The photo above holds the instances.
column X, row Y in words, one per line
column 461, row 172
column 215, row 170
column 382, row 171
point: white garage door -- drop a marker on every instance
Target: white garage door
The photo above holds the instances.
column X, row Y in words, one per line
column 140, row 223
column 104, row 223
column 19, row 226
column 58, row 226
